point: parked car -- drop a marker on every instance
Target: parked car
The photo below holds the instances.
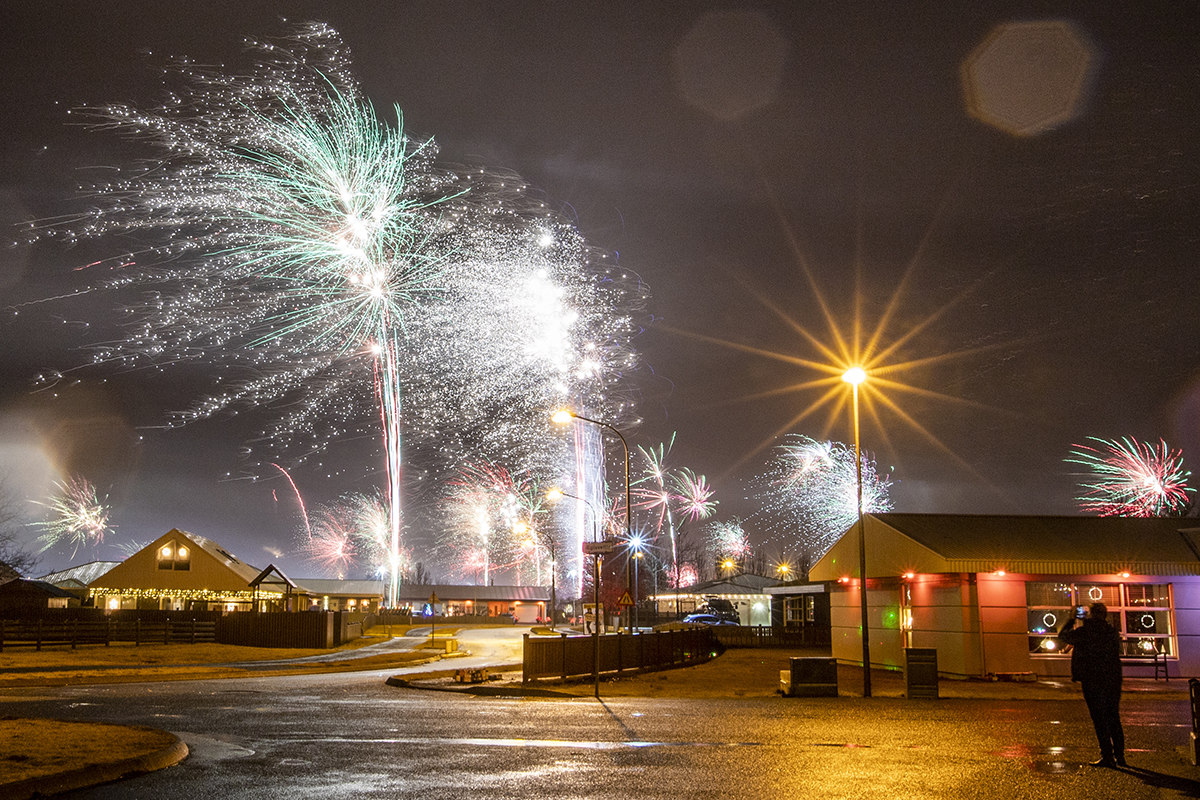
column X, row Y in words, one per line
column 708, row 619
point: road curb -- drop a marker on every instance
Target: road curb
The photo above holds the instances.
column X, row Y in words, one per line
column 422, row 681
column 476, row 690
column 96, row 774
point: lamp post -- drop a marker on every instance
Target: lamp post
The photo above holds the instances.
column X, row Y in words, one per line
column 555, row 494
column 855, row 376
column 566, row 415
column 636, row 544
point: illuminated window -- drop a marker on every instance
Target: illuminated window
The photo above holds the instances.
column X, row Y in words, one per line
column 1141, row 612
column 174, row 556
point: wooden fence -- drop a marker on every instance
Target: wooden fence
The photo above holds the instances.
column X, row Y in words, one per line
column 309, row 629
column 567, row 656
column 767, row 636
column 74, row 632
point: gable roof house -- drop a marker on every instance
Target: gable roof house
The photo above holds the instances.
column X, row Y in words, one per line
column 180, row 571
column 990, row 593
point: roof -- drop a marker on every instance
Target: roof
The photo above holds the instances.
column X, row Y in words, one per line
column 7, row 573
column 739, row 584
column 1036, row 545
column 33, row 587
column 414, row 593
column 217, row 569
column 221, row 554
column 84, row 573
column 330, row 586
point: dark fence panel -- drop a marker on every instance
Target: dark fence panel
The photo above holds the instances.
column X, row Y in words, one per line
column 101, row 614
column 568, row 656
column 38, row 632
column 765, row 636
column 309, row 629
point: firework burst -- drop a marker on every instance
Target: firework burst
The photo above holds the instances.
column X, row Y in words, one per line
column 670, row 494
column 78, row 517
column 809, row 493
column 1128, row 478
column 494, row 524
column 353, row 533
column 727, row 541
column 294, row 237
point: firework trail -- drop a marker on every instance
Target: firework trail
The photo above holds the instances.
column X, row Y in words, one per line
column 77, row 516
column 809, row 493
column 299, row 499
column 321, row 262
column 1128, row 478
column 669, row 494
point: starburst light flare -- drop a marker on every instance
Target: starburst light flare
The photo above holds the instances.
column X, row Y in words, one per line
column 319, row 261
column 1128, row 478
column 78, row 516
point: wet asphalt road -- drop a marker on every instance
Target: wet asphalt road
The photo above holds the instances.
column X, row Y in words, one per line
column 350, row 736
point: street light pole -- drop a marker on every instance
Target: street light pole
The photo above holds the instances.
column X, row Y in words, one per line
column 552, row 495
column 855, row 376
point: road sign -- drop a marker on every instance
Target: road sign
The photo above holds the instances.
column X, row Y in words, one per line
column 601, row 548
column 433, row 599
column 625, row 600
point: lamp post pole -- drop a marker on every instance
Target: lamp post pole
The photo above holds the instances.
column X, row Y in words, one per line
column 855, row 376
column 554, row 494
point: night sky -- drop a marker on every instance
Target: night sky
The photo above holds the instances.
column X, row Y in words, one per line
column 725, row 152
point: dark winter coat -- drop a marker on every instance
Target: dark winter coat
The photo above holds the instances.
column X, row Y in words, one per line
column 1096, row 657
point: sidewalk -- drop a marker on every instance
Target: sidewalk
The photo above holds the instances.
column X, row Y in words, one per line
column 744, row 672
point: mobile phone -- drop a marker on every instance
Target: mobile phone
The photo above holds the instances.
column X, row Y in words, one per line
column 1080, row 612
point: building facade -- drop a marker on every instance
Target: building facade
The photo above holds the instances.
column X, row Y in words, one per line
column 990, row 593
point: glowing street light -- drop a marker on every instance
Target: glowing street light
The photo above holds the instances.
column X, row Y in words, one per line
column 855, row 376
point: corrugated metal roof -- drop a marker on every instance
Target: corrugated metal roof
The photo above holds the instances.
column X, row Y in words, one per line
column 420, row 594
column 1067, row 540
column 326, row 586
column 84, row 573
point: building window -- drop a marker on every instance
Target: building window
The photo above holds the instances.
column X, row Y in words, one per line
column 1141, row 612
column 174, row 556
column 799, row 611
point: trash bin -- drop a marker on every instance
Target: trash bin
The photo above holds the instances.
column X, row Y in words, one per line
column 921, row 672
column 810, row 677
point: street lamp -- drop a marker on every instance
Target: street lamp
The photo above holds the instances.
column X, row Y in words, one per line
column 637, row 544
column 566, row 415
column 855, row 376
column 553, row 495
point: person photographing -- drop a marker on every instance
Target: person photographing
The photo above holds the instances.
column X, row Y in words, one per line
column 1096, row 665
